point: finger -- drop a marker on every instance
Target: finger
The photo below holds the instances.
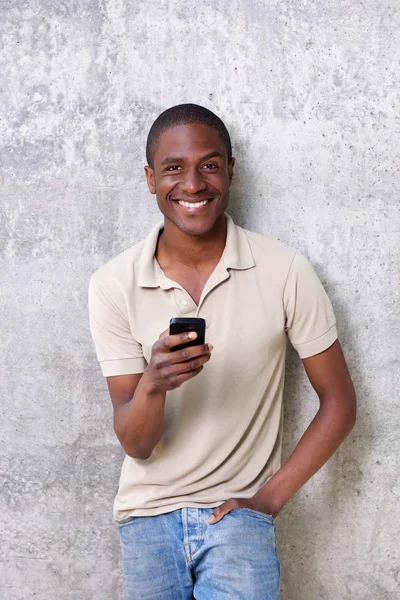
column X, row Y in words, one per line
column 176, row 374
column 171, row 381
column 170, row 341
column 187, row 366
column 190, row 353
column 164, row 334
column 173, row 363
column 178, row 380
column 220, row 512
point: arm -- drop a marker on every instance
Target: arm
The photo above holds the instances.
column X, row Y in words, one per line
column 139, row 400
column 138, row 390
column 334, row 420
column 134, row 400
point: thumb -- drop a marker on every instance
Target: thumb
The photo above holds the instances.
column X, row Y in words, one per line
column 220, row 512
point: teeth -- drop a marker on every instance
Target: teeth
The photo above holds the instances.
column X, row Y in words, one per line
column 193, row 204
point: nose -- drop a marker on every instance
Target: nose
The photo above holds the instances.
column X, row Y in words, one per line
column 193, row 181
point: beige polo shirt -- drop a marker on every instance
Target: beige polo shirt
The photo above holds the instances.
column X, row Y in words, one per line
column 223, row 428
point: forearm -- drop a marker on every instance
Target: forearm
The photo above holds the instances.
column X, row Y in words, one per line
column 139, row 423
column 326, row 432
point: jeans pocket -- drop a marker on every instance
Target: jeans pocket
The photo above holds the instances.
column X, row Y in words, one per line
column 268, row 518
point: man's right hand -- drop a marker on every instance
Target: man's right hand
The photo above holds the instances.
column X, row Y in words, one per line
column 168, row 370
column 139, row 400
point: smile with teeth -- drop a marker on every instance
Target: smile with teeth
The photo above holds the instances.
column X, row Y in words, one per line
column 193, row 204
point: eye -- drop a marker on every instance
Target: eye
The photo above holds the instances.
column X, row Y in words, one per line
column 173, row 168
column 210, row 166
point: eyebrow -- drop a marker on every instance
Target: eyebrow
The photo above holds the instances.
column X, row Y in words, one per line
column 172, row 159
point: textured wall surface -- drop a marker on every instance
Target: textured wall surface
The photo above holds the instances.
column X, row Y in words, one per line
column 310, row 93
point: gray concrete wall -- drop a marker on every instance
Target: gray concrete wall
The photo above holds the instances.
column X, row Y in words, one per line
column 310, row 92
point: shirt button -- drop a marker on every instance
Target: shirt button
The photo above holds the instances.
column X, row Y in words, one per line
column 184, row 302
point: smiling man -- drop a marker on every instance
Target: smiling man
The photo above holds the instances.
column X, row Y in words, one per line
column 202, row 480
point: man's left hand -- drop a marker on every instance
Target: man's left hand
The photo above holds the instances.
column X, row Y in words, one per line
column 231, row 504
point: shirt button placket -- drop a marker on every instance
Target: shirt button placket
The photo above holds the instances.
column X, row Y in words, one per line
column 183, row 303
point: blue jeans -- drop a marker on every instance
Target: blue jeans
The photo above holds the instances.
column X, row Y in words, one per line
column 180, row 556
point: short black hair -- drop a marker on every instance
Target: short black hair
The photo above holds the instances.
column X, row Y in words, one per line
column 183, row 114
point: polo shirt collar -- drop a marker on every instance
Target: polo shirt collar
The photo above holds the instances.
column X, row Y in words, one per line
column 237, row 255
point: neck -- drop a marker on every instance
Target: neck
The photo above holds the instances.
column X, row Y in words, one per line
column 175, row 246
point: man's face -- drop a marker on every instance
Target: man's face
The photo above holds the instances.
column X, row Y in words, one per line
column 191, row 176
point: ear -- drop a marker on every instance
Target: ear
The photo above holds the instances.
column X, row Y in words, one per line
column 231, row 164
column 150, row 179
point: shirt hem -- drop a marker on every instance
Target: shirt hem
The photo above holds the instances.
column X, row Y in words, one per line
column 153, row 512
column 318, row 345
column 127, row 366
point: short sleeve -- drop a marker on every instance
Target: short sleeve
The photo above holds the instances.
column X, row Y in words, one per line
column 310, row 320
column 117, row 351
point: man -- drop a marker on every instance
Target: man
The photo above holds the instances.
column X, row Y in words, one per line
column 202, row 483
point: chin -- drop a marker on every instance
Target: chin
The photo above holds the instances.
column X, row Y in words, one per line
column 195, row 229
column 197, row 226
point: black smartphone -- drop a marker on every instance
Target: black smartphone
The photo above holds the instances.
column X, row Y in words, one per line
column 182, row 324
